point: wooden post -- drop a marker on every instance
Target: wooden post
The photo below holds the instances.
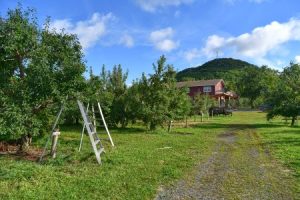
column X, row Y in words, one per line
column 202, row 116
column 170, row 126
column 55, row 135
column 186, row 122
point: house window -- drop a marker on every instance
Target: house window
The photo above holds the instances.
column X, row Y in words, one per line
column 207, row 89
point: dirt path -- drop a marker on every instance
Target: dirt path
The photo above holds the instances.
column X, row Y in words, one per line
column 238, row 168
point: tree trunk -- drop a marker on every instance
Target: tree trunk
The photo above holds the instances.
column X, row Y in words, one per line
column 25, row 142
column 293, row 121
column 152, row 126
column 124, row 123
column 252, row 103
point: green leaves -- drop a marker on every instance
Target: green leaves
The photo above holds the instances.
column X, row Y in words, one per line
column 285, row 99
column 255, row 83
column 38, row 69
column 160, row 100
column 202, row 103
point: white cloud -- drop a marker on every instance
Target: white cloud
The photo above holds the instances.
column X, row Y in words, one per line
column 279, row 62
column 161, row 34
column 166, row 45
column 258, row 43
column 127, row 40
column 192, row 54
column 61, row 24
column 297, row 59
column 162, row 39
column 89, row 31
column 153, row 5
column 213, row 44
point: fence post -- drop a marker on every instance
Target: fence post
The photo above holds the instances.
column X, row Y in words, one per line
column 202, row 116
column 170, row 126
column 55, row 135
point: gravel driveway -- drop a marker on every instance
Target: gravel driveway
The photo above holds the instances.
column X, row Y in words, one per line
column 238, row 168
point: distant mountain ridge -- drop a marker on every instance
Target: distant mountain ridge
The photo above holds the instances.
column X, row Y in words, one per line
column 220, row 68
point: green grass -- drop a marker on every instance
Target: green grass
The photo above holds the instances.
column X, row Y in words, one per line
column 284, row 143
column 282, row 139
column 278, row 137
column 138, row 165
column 134, row 169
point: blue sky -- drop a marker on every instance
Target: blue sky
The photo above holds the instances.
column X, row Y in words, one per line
column 134, row 33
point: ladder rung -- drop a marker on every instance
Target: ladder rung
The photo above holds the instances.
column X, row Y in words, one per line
column 97, row 141
column 101, row 150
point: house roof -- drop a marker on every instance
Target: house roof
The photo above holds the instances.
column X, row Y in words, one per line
column 227, row 94
column 198, row 83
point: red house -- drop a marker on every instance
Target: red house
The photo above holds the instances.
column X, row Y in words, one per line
column 214, row 88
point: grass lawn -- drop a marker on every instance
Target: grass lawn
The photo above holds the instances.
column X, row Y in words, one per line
column 139, row 164
column 284, row 143
column 134, row 169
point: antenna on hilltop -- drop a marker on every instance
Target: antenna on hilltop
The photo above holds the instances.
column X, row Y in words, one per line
column 217, row 53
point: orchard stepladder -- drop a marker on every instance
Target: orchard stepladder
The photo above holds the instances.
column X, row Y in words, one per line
column 91, row 129
column 89, row 124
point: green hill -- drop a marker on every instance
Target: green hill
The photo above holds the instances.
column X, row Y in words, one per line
column 227, row 69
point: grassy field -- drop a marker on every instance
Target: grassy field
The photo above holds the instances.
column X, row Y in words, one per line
column 284, row 143
column 282, row 140
column 140, row 163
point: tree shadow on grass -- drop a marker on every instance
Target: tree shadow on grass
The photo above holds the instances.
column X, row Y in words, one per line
column 181, row 133
column 128, row 130
column 237, row 126
column 101, row 130
column 289, row 137
column 291, row 130
column 31, row 155
column 285, row 141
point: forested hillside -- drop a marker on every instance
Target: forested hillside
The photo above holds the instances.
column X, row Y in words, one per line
column 228, row 69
